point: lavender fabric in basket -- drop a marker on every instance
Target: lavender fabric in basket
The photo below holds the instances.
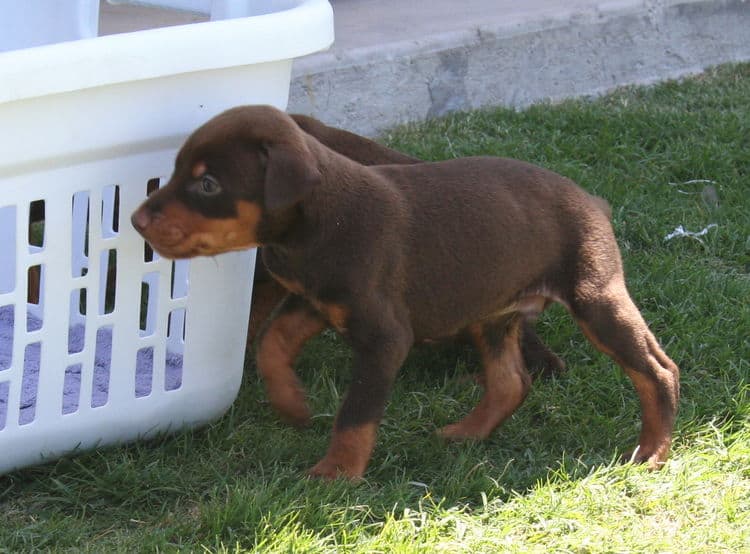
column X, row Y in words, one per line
column 72, row 382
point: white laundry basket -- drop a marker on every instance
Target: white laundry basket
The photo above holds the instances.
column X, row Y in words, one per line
column 117, row 343
column 26, row 23
column 217, row 9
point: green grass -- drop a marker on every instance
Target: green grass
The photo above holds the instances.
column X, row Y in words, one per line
column 547, row 481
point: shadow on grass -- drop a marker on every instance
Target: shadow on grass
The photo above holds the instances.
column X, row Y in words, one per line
column 241, row 480
column 560, row 423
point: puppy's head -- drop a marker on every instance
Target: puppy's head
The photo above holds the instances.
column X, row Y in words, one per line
column 232, row 174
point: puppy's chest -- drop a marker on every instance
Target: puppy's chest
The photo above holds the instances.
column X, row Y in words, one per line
column 336, row 314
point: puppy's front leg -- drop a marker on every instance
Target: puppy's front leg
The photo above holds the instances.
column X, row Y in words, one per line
column 291, row 325
column 378, row 355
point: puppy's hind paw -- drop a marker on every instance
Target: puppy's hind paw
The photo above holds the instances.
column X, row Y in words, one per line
column 654, row 460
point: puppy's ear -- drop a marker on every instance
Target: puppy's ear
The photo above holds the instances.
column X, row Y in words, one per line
column 291, row 173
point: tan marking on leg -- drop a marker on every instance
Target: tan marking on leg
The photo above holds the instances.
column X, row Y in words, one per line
column 618, row 330
column 591, row 336
column 295, row 287
column 656, row 432
column 348, row 454
column 278, row 349
column 336, row 314
column 537, row 357
column 506, row 384
column 266, row 296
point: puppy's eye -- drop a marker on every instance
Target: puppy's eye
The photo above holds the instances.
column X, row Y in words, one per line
column 207, row 186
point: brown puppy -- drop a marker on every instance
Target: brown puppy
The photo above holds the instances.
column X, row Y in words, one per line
column 389, row 255
column 267, row 293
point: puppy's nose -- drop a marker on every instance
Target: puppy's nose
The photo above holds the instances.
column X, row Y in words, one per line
column 141, row 219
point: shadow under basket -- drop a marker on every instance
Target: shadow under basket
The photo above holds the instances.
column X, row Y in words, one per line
column 101, row 340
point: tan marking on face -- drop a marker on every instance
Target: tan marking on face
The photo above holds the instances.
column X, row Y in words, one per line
column 178, row 232
column 199, row 169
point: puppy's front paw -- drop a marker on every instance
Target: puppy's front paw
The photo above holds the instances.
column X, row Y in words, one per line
column 300, row 416
column 330, row 470
column 460, row 432
column 291, row 404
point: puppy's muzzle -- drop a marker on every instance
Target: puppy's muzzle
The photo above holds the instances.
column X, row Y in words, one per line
column 155, row 228
column 141, row 219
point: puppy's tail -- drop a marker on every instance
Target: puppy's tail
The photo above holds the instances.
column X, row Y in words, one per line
column 603, row 205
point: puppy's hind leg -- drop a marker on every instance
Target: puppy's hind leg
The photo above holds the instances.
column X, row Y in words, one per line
column 505, row 379
column 539, row 359
column 266, row 296
column 614, row 325
column 292, row 324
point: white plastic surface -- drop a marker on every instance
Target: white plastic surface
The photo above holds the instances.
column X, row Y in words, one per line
column 92, row 121
column 27, row 23
column 197, row 6
column 218, row 9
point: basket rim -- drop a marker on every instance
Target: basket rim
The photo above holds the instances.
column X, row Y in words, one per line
column 101, row 61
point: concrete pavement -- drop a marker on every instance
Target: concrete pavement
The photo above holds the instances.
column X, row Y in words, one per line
column 403, row 60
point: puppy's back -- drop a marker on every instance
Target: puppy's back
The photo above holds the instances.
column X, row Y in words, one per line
column 489, row 228
column 494, row 192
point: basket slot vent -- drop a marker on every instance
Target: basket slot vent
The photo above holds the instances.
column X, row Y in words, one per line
column 7, row 314
column 34, row 284
column 149, row 303
column 34, row 317
column 80, row 235
column 144, row 371
column 110, row 211
column 7, row 249
column 77, row 321
column 72, row 389
column 175, row 348
column 176, row 329
column 152, row 184
column 4, row 389
column 180, row 279
column 36, row 225
column 148, row 253
column 103, row 361
column 108, row 281
column 30, row 382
